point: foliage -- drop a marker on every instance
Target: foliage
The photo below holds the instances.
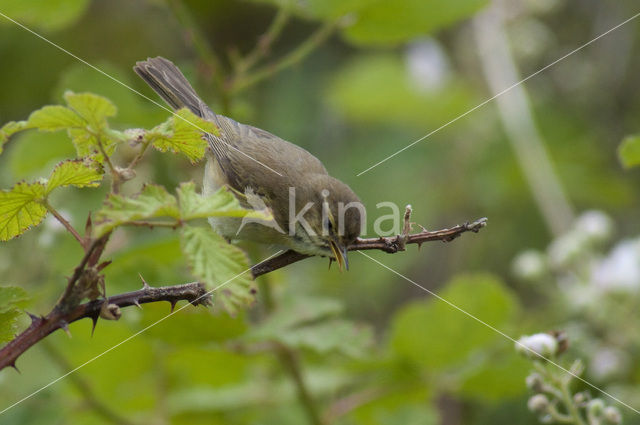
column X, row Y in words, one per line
column 352, row 82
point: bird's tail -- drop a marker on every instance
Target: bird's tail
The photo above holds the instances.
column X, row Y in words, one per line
column 168, row 81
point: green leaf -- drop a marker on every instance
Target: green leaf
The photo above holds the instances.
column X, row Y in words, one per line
column 12, row 300
column 222, row 267
column 221, row 203
column 20, row 209
column 182, row 133
column 629, row 151
column 77, row 173
column 375, row 88
column 55, row 118
column 152, row 202
column 9, row 129
column 434, row 335
column 310, row 322
column 387, row 22
column 48, row 15
column 92, row 108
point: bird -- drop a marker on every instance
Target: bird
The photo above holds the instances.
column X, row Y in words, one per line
column 313, row 212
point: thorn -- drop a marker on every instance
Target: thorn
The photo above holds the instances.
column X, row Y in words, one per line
column 13, row 365
column 103, row 265
column 173, row 304
column 33, row 317
column 137, row 304
column 330, row 263
column 65, row 327
column 419, row 245
column 145, row 285
column 94, row 319
column 421, row 227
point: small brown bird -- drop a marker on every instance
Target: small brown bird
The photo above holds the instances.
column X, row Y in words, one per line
column 313, row 212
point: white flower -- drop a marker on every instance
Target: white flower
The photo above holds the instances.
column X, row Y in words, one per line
column 620, row 270
column 428, row 65
column 530, row 265
column 538, row 403
column 543, row 344
column 595, row 225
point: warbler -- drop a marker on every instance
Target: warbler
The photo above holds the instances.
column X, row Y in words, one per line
column 313, row 213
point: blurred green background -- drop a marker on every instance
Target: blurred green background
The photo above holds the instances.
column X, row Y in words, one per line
column 561, row 250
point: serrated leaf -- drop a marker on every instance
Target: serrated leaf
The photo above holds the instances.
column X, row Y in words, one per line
column 221, row 203
column 9, row 129
column 12, row 297
column 94, row 109
column 152, row 202
column 77, row 173
column 182, row 133
column 20, row 209
column 54, row 118
column 220, row 266
column 629, row 151
column 432, row 334
column 12, row 300
column 310, row 322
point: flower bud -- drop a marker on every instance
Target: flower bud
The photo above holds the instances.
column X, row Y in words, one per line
column 542, row 343
column 535, row 382
column 611, row 415
column 538, row 403
column 595, row 407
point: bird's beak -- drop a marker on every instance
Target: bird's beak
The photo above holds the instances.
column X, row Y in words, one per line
column 340, row 254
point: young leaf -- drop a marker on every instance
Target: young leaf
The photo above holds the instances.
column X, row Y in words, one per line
column 221, row 203
column 629, row 151
column 20, row 209
column 55, row 118
column 182, row 133
column 12, row 299
column 9, row 129
column 219, row 265
column 92, row 108
column 77, row 173
column 152, row 202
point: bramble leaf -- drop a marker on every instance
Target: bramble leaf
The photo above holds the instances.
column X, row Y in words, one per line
column 629, row 151
column 310, row 322
column 77, row 173
column 221, row 203
column 222, row 267
column 9, row 129
column 54, row 118
column 21, row 208
column 12, row 300
column 94, row 109
column 152, row 202
column 182, row 133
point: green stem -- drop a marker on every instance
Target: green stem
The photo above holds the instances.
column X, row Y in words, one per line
column 265, row 42
column 295, row 56
column 568, row 402
column 85, row 389
column 202, row 48
column 290, row 362
column 139, row 156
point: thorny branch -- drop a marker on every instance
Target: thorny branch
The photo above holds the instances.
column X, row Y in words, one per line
column 41, row 326
column 68, row 309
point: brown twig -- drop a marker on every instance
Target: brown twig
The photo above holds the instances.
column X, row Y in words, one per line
column 40, row 326
column 390, row 245
column 66, row 224
column 67, row 310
